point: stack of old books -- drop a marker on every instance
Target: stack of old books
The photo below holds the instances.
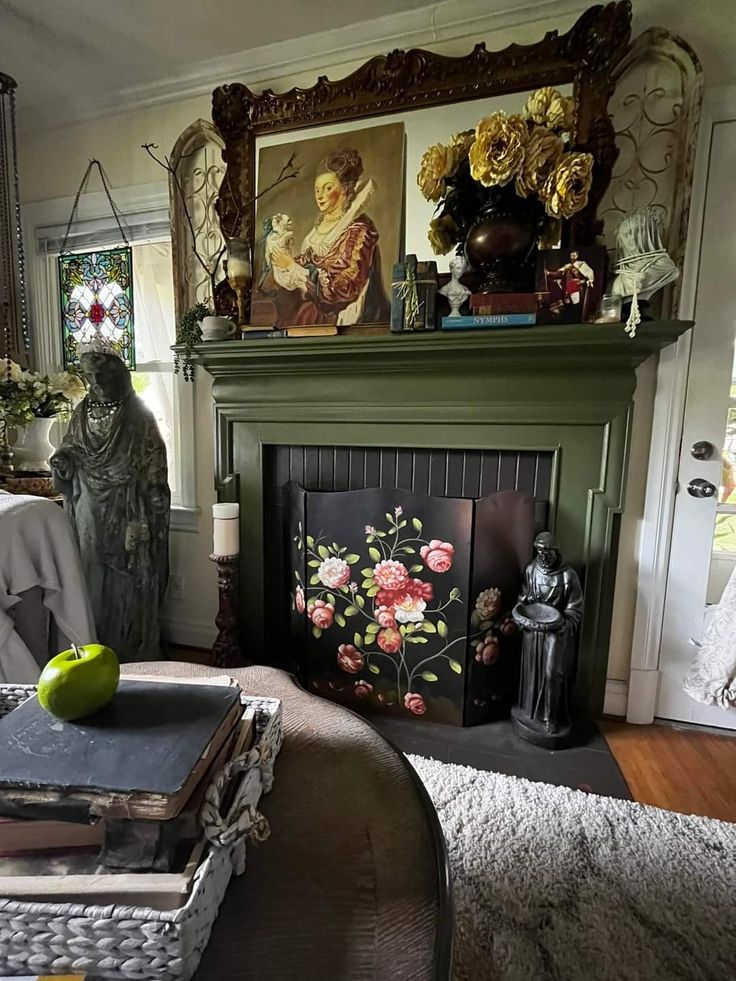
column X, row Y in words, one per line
column 488, row 310
column 106, row 809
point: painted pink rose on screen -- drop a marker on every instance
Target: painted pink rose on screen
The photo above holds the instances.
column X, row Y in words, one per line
column 334, row 572
column 413, row 587
column 390, row 574
column 437, row 555
column 415, row 703
column 349, row 659
column 322, row 614
column 362, row 689
column 389, row 641
column 488, row 650
column 299, row 599
column 384, row 616
column 409, row 609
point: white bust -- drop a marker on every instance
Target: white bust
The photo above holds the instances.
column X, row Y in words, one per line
column 643, row 266
column 454, row 291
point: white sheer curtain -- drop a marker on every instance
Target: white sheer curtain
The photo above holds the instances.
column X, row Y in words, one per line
column 153, row 299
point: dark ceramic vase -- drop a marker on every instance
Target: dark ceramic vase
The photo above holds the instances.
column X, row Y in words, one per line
column 502, row 244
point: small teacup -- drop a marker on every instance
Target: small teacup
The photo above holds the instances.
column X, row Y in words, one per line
column 217, row 328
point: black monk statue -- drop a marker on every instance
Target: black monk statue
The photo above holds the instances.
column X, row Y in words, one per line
column 111, row 469
column 549, row 611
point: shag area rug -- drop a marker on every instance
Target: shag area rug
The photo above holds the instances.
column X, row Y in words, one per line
column 552, row 884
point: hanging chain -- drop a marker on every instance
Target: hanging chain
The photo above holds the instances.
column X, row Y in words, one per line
column 24, row 325
column 6, row 267
column 113, row 207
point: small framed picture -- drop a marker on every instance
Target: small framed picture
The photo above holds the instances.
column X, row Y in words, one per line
column 574, row 281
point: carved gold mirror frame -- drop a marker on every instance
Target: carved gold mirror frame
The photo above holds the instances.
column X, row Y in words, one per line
column 404, row 80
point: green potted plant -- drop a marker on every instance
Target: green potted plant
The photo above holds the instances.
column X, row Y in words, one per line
column 189, row 333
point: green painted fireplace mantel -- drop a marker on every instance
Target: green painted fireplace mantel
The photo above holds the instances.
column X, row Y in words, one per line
column 567, row 390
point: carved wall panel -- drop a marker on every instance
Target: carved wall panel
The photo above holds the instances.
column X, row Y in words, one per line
column 655, row 111
column 197, row 157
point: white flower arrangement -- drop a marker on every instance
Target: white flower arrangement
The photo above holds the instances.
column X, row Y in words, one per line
column 25, row 395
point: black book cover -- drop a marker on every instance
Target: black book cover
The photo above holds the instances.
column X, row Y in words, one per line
column 148, row 739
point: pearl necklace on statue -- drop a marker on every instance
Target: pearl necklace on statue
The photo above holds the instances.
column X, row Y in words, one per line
column 100, row 411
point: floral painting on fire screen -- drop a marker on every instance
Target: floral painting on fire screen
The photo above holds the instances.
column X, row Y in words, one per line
column 399, row 608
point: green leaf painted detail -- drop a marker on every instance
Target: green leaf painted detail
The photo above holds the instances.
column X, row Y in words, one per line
column 416, row 640
column 313, row 580
column 417, row 524
column 456, row 666
column 442, row 628
column 357, row 639
column 350, row 611
column 372, row 628
column 310, row 541
column 372, row 591
column 314, row 563
column 352, row 558
column 428, row 627
column 374, row 554
column 339, row 619
column 454, row 593
column 359, row 601
column 316, row 632
column 429, row 676
column 416, row 568
column 323, row 551
column 374, row 669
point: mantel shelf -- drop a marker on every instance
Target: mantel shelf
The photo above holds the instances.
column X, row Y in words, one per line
column 573, row 345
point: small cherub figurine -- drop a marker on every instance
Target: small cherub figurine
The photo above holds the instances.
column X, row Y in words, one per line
column 454, row 291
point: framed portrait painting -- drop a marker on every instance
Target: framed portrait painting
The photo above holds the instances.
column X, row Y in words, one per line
column 326, row 239
column 571, row 281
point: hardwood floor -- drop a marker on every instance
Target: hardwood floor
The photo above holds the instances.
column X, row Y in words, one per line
column 677, row 768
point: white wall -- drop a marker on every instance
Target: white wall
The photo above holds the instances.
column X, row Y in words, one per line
column 53, row 161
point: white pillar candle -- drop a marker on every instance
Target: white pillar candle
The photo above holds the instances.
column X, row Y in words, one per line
column 226, row 529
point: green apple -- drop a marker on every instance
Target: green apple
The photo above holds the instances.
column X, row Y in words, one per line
column 79, row 682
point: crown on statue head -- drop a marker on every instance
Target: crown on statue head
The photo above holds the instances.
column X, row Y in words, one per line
column 99, row 344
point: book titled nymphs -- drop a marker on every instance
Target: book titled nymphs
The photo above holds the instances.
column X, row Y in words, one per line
column 490, row 320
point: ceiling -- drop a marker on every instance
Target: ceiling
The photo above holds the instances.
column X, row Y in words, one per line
column 73, row 55
column 76, row 59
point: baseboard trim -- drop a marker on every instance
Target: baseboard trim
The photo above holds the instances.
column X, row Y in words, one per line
column 616, row 698
column 188, row 633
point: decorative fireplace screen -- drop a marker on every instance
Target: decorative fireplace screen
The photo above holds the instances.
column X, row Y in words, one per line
column 401, row 602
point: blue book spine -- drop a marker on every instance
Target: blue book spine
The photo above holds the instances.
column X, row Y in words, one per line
column 490, row 320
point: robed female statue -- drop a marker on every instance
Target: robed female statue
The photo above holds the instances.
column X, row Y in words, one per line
column 111, row 469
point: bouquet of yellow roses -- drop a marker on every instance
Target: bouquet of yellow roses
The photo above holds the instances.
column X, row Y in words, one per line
column 526, row 155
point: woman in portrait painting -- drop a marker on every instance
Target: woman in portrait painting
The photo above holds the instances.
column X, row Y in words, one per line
column 336, row 277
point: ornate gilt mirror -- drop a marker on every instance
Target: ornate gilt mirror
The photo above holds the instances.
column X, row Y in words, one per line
column 452, row 92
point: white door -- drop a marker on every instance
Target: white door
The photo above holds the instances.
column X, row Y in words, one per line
column 704, row 531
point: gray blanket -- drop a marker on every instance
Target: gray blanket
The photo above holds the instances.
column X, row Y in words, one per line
column 37, row 550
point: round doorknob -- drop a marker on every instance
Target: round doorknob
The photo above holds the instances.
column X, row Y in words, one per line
column 702, row 450
column 701, row 488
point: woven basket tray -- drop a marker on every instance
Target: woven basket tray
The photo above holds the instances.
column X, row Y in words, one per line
column 135, row 942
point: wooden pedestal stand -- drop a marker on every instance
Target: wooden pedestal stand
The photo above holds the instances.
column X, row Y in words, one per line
column 226, row 651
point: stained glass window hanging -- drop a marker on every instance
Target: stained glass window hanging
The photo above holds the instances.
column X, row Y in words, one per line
column 97, row 295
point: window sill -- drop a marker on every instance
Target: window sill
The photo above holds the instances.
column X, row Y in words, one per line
column 184, row 519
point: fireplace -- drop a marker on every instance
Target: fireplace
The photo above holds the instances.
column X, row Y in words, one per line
column 546, row 411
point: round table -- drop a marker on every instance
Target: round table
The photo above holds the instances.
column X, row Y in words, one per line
column 353, row 882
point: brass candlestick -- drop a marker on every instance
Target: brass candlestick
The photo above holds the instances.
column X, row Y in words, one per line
column 227, row 651
column 240, row 275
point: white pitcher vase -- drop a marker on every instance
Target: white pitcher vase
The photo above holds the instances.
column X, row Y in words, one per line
column 33, row 447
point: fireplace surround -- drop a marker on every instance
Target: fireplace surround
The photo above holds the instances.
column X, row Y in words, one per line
column 558, row 394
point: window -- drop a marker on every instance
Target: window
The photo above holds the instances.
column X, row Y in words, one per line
column 149, row 232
